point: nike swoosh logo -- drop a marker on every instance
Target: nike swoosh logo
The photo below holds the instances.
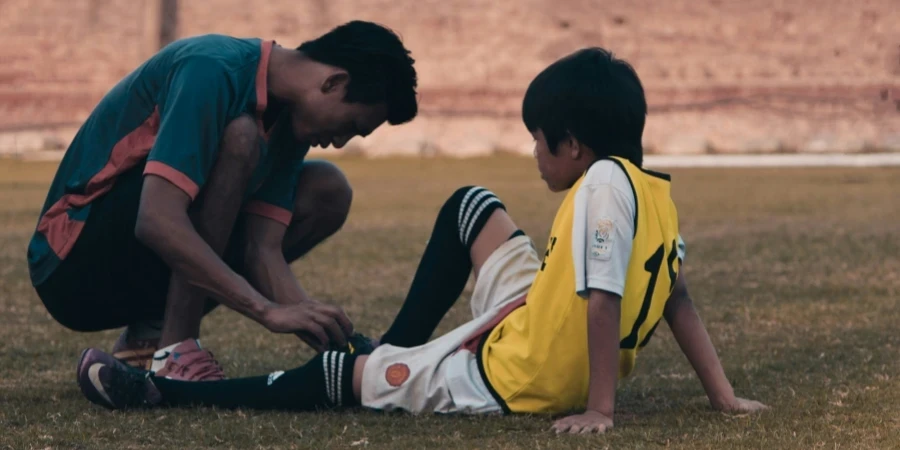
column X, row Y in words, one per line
column 94, row 376
column 161, row 358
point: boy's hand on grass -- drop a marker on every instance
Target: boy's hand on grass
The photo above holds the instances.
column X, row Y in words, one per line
column 588, row 422
column 742, row 405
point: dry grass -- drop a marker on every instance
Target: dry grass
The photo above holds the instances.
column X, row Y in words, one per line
column 796, row 273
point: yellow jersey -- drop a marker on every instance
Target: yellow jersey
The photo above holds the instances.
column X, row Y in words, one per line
column 536, row 359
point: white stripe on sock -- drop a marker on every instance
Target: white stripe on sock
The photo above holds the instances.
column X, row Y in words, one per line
column 339, row 385
column 334, row 394
column 327, row 373
column 475, row 217
column 471, row 207
column 462, row 206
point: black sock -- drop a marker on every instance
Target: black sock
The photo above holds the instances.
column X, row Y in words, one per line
column 326, row 381
column 444, row 268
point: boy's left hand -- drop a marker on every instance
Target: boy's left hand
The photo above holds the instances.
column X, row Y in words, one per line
column 742, row 405
column 588, row 422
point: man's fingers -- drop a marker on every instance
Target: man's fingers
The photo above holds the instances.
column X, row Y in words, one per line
column 316, row 330
column 311, row 341
column 339, row 317
column 335, row 333
column 344, row 322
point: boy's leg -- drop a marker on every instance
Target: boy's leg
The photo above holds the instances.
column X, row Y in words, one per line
column 326, row 381
column 471, row 224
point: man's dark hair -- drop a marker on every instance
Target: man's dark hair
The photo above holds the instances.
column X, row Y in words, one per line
column 380, row 67
column 593, row 97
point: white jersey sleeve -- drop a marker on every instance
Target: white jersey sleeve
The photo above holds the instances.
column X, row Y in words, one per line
column 603, row 229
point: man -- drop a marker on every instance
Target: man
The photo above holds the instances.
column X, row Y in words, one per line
column 549, row 334
column 188, row 182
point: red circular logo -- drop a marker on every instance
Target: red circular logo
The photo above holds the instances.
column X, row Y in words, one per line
column 396, row 374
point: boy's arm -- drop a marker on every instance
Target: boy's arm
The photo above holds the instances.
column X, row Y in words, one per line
column 602, row 233
column 603, row 350
column 694, row 341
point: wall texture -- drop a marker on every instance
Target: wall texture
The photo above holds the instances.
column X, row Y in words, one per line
column 743, row 76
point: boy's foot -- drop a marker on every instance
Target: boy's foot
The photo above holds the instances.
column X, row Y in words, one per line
column 359, row 344
column 133, row 351
column 110, row 383
column 187, row 361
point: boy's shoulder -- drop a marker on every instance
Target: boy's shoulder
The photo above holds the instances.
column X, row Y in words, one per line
column 607, row 172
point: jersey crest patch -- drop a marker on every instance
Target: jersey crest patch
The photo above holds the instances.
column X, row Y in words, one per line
column 601, row 244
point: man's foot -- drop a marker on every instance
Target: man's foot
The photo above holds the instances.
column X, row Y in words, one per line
column 134, row 351
column 110, row 383
column 187, row 361
column 359, row 344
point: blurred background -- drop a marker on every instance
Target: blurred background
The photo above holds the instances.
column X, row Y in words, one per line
column 722, row 76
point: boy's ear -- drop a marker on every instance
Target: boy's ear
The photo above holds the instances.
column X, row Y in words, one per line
column 335, row 82
column 576, row 148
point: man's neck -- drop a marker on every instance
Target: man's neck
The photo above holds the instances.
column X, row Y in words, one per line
column 278, row 90
column 281, row 62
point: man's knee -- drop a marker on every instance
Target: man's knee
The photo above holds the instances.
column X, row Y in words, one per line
column 240, row 142
column 323, row 191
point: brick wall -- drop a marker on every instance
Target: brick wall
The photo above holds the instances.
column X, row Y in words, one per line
column 721, row 75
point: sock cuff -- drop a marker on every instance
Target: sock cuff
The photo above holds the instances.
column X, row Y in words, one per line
column 338, row 371
column 475, row 207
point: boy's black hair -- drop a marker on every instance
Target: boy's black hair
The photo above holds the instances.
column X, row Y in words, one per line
column 380, row 67
column 591, row 96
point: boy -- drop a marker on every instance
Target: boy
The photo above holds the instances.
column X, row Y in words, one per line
column 549, row 334
column 189, row 182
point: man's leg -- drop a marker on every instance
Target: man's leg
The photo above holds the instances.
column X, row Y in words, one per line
column 109, row 279
column 469, row 227
column 320, row 208
column 213, row 214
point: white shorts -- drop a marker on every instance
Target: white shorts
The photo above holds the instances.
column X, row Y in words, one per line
column 439, row 376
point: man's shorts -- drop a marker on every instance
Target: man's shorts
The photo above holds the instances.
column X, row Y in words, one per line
column 441, row 376
column 110, row 279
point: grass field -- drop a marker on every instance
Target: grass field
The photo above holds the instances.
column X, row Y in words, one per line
column 795, row 272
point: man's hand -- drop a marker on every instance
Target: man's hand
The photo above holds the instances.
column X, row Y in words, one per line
column 588, row 422
column 317, row 324
column 741, row 405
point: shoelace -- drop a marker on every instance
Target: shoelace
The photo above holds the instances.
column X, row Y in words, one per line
column 210, row 370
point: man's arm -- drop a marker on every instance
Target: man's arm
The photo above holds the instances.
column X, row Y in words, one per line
column 691, row 335
column 264, row 263
column 266, row 269
column 604, row 310
column 164, row 226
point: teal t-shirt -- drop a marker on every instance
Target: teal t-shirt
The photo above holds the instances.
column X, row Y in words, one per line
column 170, row 113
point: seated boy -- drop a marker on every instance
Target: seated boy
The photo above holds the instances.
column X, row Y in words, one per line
column 550, row 333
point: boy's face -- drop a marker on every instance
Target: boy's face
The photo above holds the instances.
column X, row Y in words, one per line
column 562, row 170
